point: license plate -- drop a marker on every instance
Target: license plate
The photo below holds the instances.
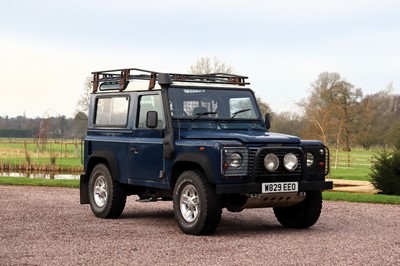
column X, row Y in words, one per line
column 280, row 187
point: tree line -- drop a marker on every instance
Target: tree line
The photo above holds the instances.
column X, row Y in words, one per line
column 42, row 128
column 335, row 112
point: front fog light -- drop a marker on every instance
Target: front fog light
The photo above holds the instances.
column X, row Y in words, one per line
column 290, row 161
column 236, row 160
column 271, row 162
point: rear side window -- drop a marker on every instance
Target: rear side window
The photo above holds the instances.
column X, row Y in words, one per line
column 112, row 111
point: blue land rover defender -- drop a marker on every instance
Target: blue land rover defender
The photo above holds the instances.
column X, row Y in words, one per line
column 199, row 141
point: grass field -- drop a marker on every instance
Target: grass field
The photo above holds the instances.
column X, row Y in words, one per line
column 65, row 156
column 24, row 181
column 62, row 162
column 351, row 174
column 359, row 197
column 354, row 165
column 31, row 154
column 19, row 147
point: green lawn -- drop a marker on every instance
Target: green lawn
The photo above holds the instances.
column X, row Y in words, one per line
column 354, row 165
column 61, row 161
column 350, row 166
column 359, row 197
column 351, row 174
column 24, row 181
column 27, row 153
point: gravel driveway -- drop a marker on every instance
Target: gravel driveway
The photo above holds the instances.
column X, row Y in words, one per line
column 48, row 226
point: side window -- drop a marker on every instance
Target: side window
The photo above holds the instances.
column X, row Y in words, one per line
column 150, row 103
column 112, row 111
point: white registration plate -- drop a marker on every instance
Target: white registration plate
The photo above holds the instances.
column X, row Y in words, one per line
column 280, row 187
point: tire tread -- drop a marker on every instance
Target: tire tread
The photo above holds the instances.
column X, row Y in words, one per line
column 302, row 215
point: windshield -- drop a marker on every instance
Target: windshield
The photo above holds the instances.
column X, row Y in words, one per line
column 221, row 106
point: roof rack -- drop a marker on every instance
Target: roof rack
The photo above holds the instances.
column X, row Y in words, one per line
column 118, row 79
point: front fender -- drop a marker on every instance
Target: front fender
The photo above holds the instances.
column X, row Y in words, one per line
column 202, row 160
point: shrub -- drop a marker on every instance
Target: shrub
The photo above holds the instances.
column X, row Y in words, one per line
column 385, row 174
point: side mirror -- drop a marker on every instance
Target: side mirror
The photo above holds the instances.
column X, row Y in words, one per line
column 152, row 119
column 267, row 121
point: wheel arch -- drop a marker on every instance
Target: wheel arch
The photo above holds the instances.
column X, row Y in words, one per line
column 106, row 157
column 100, row 156
column 192, row 161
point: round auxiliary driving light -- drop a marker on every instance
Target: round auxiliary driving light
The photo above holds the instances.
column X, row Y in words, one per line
column 310, row 159
column 236, row 160
column 290, row 161
column 271, row 162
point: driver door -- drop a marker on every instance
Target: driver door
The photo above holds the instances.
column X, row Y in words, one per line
column 146, row 149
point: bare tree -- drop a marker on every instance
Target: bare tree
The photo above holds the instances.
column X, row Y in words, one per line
column 84, row 101
column 380, row 114
column 288, row 123
column 332, row 107
column 205, row 65
column 264, row 107
column 318, row 117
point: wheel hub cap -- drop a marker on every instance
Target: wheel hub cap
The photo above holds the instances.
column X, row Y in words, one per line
column 189, row 202
column 100, row 191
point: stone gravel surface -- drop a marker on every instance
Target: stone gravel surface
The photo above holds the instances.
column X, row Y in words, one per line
column 48, row 226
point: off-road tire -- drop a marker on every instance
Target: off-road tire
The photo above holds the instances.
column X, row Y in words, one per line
column 197, row 207
column 107, row 197
column 303, row 214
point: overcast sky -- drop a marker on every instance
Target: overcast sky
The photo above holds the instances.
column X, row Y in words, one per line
column 48, row 48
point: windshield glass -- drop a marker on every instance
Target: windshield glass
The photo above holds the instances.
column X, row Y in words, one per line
column 194, row 106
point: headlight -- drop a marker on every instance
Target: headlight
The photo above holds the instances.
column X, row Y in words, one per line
column 271, row 162
column 310, row 159
column 290, row 161
column 236, row 160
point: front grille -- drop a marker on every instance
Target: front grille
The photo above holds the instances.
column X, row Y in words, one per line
column 257, row 164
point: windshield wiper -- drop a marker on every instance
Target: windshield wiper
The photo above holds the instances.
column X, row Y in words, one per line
column 203, row 113
column 236, row 113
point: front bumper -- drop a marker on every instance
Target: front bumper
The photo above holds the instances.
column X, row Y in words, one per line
column 256, row 187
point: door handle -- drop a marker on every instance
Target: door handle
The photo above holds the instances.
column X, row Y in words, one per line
column 135, row 150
